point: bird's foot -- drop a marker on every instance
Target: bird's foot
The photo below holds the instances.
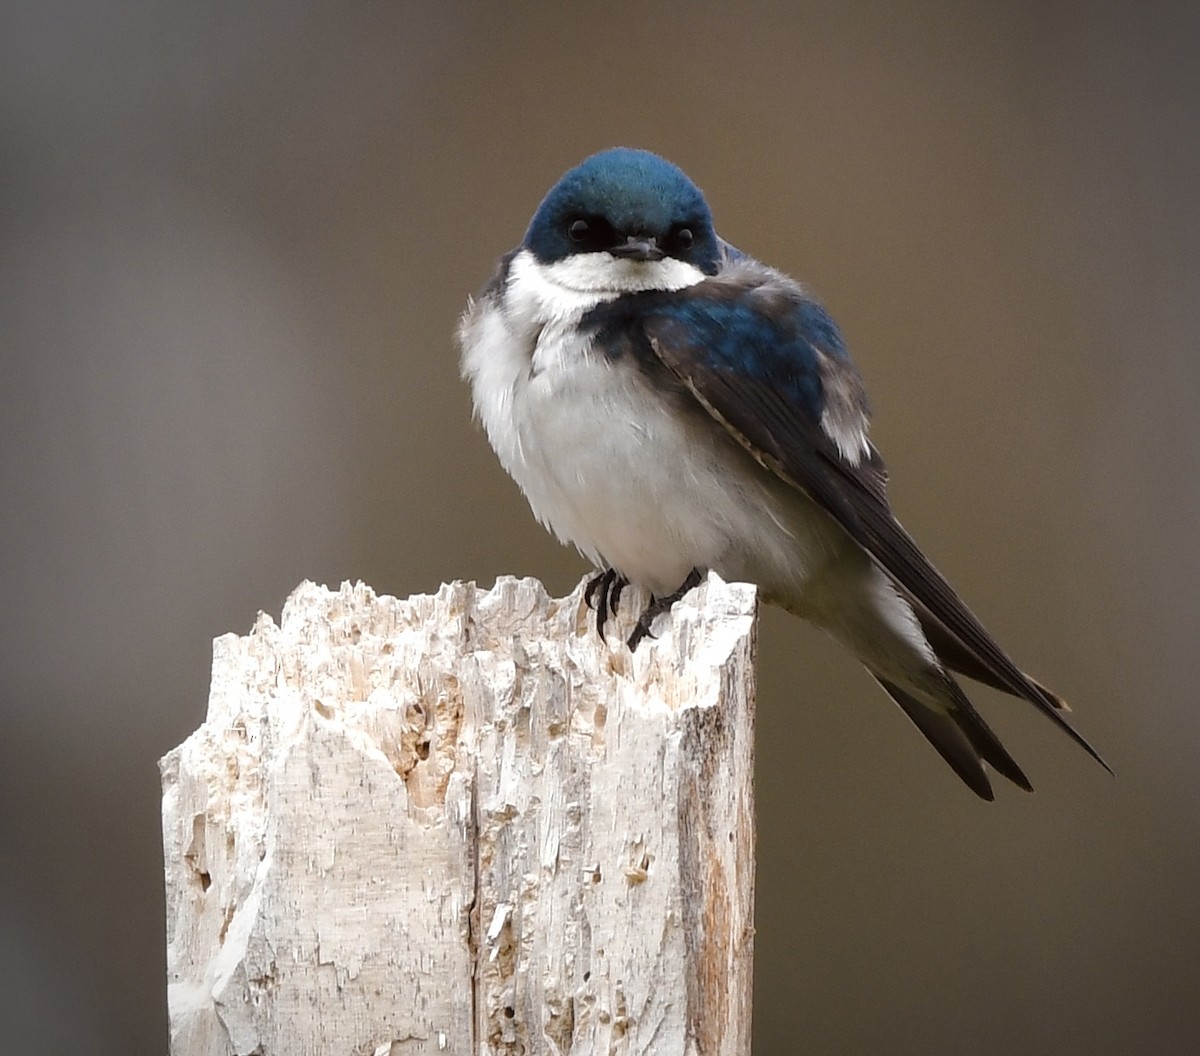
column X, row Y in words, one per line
column 658, row 606
column 603, row 593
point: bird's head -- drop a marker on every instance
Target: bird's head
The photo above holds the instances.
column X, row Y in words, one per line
column 624, row 220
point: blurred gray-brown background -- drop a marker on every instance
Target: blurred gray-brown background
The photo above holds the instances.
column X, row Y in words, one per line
column 234, row 241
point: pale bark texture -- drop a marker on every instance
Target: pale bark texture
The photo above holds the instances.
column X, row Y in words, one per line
column 463, row 823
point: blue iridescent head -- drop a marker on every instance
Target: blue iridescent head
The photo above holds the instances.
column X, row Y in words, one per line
column 629, row 203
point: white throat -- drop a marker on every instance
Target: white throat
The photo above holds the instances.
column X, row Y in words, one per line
column 603, row 273
column 569, row 287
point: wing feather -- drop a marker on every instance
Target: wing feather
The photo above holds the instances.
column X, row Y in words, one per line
column 767, row 410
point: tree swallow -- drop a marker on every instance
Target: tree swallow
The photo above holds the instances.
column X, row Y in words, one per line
column 669, row 405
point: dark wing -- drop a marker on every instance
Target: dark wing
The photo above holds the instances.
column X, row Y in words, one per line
column 769, row 365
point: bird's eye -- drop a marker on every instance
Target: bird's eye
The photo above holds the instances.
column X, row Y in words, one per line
column 684, row 238
column 578, row 230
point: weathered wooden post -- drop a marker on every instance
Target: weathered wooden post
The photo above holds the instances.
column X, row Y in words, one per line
column 461, row 823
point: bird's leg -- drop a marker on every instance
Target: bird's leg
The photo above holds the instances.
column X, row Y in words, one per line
column 614, row 597
column 658, row 606
column 601, row 582
column 602, row 593
column 589, row 591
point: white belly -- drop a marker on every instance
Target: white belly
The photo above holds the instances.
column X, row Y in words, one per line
column 609, row 467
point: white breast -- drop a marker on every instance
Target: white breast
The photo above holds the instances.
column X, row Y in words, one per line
column 604, row 462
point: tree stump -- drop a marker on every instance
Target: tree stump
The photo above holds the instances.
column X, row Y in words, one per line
column 463, row 823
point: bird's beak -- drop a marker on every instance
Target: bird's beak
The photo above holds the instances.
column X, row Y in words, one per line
column 638, row 247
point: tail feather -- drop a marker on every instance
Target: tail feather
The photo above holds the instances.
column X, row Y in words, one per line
column 958, row 657
column 961, row 737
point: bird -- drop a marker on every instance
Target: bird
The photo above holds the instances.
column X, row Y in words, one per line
column 670, row 406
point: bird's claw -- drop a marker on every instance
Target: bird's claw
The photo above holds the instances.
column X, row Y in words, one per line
column 603, row 593
column 658, row 606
